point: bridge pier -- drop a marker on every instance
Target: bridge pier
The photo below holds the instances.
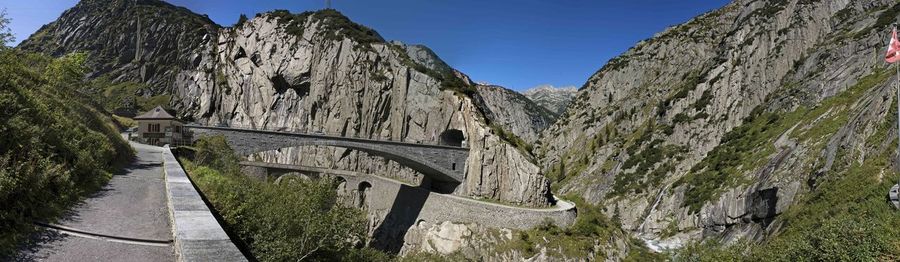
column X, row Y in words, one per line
column 255, row 172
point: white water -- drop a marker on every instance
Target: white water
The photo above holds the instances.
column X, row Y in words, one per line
column 652, row 208
column 653, row 244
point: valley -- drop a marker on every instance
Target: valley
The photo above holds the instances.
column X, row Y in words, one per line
column 761, row 130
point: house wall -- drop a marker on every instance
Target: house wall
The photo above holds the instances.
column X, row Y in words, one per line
column 144, row 128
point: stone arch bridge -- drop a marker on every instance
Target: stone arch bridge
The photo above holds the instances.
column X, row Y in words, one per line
column 444, row 163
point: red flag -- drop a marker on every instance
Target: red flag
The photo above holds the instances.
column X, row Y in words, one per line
column 893, row 52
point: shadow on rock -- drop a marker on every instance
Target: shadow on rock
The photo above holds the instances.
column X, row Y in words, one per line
column 404, row 211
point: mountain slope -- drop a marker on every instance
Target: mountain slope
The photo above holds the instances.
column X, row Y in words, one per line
column 717, row 127
column 554, row 99
column 143, row 41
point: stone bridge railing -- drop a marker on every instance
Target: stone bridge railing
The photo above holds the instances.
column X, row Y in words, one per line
column 439, row 162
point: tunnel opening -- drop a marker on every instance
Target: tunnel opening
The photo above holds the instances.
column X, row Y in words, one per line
column 453, row 137
column 281, row 86
column 363, row 191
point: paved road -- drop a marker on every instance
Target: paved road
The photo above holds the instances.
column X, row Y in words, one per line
column 132, row 206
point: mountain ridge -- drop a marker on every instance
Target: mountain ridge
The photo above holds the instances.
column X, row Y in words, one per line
column 554, row 99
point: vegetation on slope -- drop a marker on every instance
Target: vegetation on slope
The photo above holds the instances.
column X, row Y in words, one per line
column 845, row 217
column 301, row 220
column 586, row 239
column 112, row 96
column 55, row 146
column 748, row 146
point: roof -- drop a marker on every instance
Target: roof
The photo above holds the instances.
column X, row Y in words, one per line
column 155, row 113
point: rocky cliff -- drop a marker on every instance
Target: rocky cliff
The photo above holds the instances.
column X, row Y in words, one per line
column 314, row 72
column 716, row 127
column 555, row 99
column 143, row 41
column 513, row 112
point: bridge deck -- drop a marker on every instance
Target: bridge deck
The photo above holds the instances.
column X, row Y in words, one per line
column 439, row 162
column 430, row 144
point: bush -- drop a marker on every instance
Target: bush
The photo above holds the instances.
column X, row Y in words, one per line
column 301, row 220
column 214, row 152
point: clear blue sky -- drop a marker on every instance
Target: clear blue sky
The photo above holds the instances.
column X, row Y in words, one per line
column 515, row 43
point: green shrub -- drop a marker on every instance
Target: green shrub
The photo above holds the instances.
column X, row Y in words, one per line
column 214, row 152
column 681, row 118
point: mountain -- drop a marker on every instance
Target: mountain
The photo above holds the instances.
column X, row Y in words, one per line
column 513, row 112
column 314, row 71
column 143, row 41
column 766, row 121
column 552, row 98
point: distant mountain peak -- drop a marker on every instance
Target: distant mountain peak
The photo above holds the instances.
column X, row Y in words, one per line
column 555, row 99
column 549, row 88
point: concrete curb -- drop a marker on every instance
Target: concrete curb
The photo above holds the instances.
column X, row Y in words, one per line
column 198, row 236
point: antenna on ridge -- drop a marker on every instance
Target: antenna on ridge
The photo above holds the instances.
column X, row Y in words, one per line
column 327, row 4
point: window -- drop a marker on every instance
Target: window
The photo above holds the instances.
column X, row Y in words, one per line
column 153, row 128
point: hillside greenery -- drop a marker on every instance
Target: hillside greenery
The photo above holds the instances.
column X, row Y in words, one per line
column 113, row 95
column 845, row 217
column 300, row 220
column 578, row 241
column 747, row 147
column 56, row 147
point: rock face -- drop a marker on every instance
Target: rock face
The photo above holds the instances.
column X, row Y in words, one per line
column 142, row 41
column 513, row 111
column 478, row 243
column 313, row 72
column 714, row 127
column 552, row 98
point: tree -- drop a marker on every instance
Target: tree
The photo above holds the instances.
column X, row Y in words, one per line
column 6, row 35
column 241, row 20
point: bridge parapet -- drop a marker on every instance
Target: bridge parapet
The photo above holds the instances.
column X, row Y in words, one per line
column 198, row 235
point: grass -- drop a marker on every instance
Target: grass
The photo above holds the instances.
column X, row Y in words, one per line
column 123, row 122
column 111, row 96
